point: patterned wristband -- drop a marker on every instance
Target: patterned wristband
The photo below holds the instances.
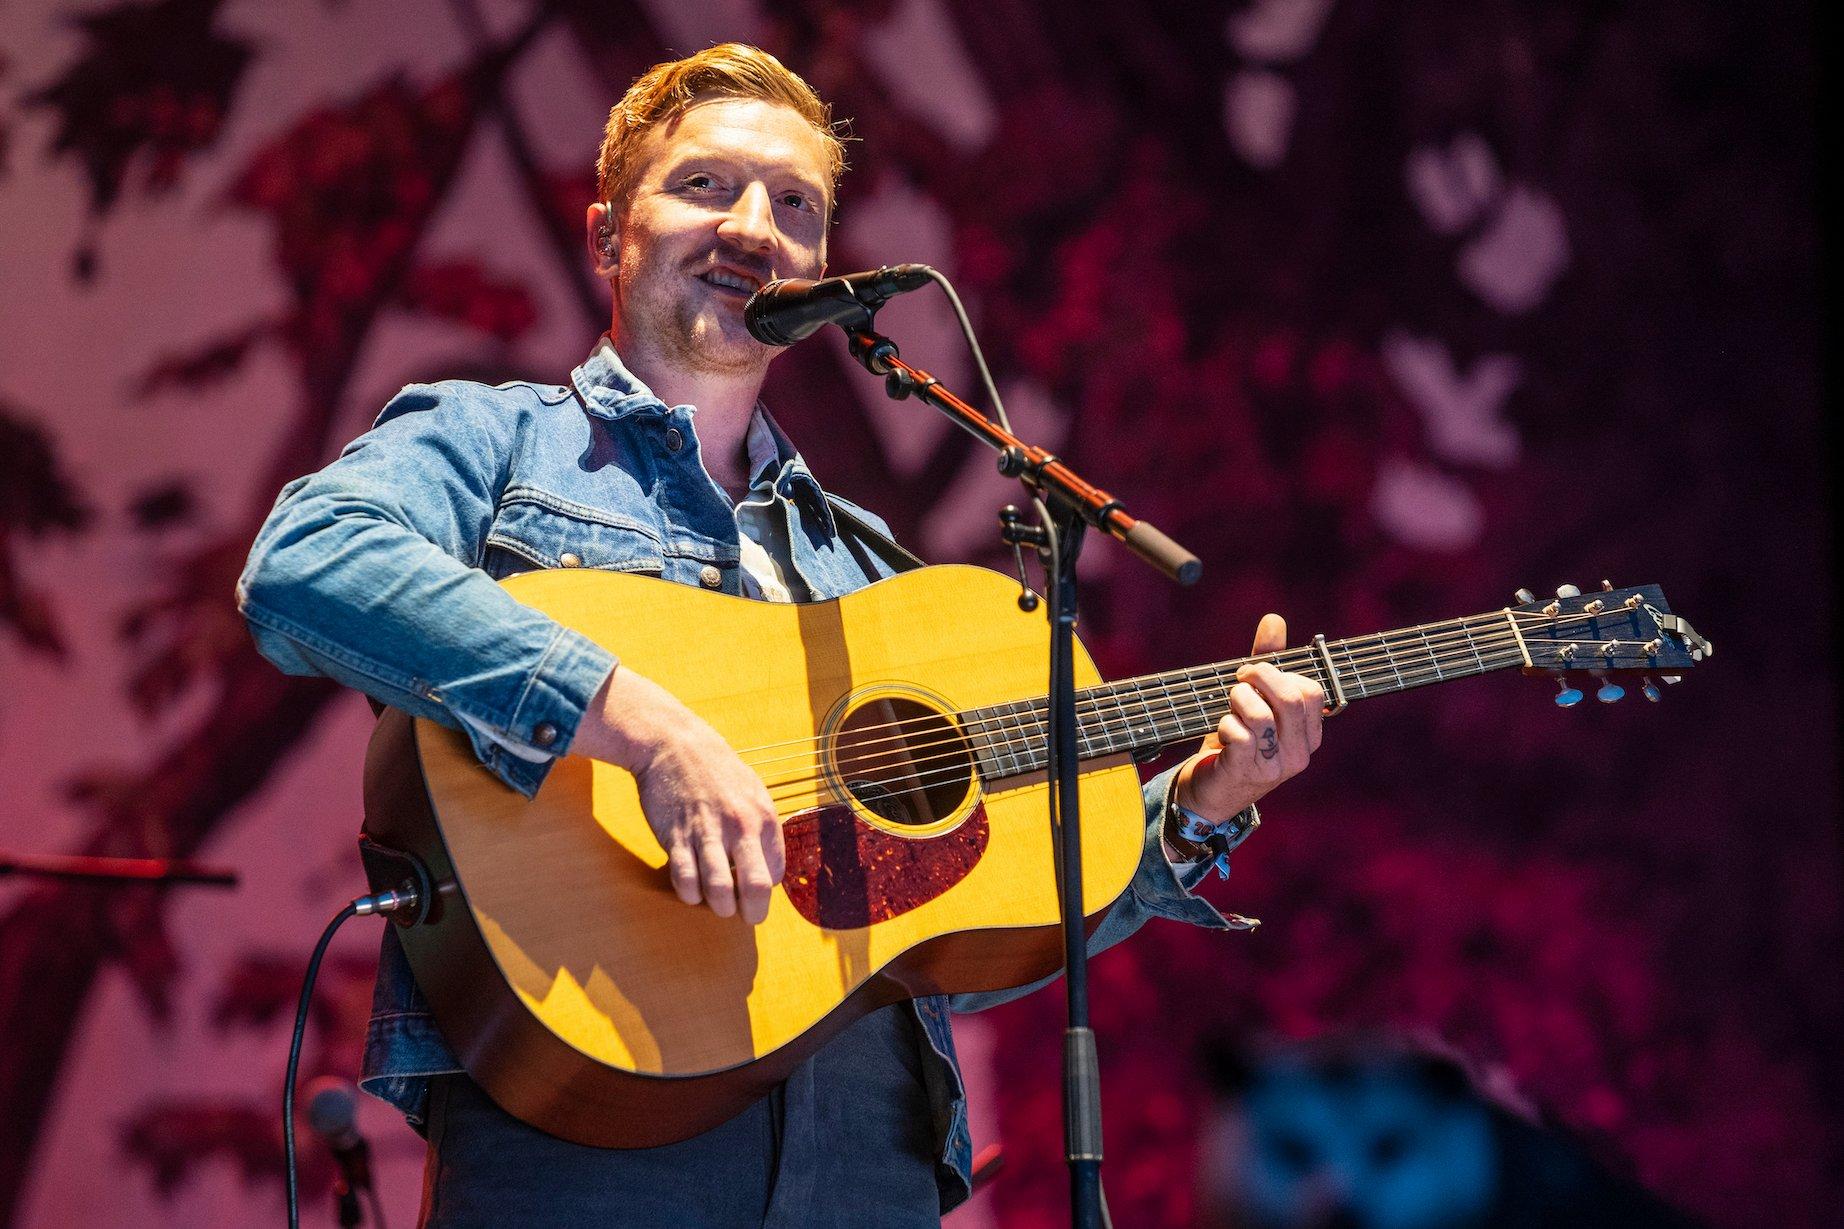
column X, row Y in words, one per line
column 1216, row 838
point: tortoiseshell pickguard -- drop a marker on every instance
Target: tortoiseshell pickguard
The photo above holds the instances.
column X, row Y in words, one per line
column 843, row 874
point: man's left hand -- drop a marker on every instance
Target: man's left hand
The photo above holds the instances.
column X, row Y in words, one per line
column 1273, row 726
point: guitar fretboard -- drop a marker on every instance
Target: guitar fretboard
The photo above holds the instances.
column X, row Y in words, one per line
column 1140, row 715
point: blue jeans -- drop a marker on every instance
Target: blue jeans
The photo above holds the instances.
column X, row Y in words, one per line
column 847, row 1141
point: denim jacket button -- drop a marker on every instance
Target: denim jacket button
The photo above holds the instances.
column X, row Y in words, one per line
column 674, row 440
column 544, row 734
column 710, row 577
column 570, row 559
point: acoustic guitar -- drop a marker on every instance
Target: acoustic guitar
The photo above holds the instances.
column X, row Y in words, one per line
column 900, row 731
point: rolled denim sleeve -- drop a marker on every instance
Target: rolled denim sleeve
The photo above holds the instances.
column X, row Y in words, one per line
column 1158, row 889
column 363, row 572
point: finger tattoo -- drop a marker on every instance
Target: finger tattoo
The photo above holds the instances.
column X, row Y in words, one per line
column 1270, row 746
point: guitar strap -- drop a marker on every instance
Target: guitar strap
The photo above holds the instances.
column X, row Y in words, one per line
column 871, row 538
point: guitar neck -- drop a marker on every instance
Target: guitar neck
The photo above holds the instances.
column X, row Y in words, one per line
column 1140, row 715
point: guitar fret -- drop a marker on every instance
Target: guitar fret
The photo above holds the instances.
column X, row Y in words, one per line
column 1152, row 718
column 1020, row 758
column 1034, row 736
column 996, row 733
column 1357, row 674
column 1217, row 694
column 1111, row 715
column 1390, row 658
column 1204, row 715
column 1432, row 656
column 1314, row 670
column 1126, row 718
column 1169, row 695
column 1467, row 630
column 982, row 750
column 993, row 732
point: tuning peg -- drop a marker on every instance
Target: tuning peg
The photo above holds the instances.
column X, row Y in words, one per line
column 1606, row 586
column 1609, row 691
column 1567, row 591
column 1566, row 696
column 1524, row 597
column 1648, row 689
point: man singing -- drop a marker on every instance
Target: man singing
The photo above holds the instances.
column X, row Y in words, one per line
column 717, row 174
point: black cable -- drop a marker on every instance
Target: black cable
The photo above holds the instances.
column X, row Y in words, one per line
column 973, row 344
column 377, row 1206
column 294, row 1059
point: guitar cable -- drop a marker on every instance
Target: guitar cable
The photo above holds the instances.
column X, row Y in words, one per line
column 405, row 896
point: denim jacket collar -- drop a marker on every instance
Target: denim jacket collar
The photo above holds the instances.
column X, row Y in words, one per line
column 609, row 390
column 792, row 478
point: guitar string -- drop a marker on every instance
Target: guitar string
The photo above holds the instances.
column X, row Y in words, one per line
column 1093, row 698
column 1115, row 692
column 1300, row 655
column 959, row 759
column 1127, row 722
column 1032, row 728
column 1096, row 700
column 810, row 798
column 958, row 752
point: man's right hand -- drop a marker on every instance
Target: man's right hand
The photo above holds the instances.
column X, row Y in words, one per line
column 710, row 811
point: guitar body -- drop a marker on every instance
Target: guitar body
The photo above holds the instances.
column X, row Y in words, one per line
column 590, row 1002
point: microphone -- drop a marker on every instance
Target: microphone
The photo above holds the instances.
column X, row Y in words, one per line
column 332, row 1112
column 791, row 308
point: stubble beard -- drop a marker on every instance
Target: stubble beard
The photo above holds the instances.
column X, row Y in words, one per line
column 687, row 329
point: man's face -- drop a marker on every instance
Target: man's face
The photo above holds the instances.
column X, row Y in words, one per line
column 732, row 194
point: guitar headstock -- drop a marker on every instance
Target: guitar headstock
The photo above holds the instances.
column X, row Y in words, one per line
column 1604, row 634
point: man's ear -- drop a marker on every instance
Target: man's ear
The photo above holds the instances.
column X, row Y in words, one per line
column 604, row 239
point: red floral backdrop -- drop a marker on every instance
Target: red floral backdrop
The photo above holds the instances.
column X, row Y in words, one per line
column 1386, row 310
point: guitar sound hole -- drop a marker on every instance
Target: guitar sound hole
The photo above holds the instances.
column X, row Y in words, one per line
column 903, row 761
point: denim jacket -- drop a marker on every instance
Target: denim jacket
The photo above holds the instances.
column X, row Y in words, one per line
column 379, row 571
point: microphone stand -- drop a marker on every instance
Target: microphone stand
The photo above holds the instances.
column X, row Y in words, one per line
column 1075, row 505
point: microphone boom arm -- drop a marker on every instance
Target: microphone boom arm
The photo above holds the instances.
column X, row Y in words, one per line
column 1061, row 487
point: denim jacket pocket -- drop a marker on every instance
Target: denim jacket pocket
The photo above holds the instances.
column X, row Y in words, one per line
column 534, row 528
